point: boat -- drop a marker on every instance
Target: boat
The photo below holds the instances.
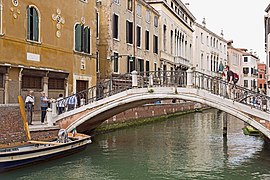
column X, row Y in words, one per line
column 251, row 131
column 36, row 151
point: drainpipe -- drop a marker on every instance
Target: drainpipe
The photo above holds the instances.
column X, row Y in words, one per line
column 134, row 35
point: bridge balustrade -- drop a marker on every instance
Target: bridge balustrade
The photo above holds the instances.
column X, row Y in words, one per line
column 176, row 78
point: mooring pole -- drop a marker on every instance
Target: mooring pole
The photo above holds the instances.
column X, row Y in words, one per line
column 225, row 124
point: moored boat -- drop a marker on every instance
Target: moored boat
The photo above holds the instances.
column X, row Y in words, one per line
column 251, row 131
column 36, row 151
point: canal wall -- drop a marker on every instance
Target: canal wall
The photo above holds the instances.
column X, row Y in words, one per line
column 12, row 129
column 148, row 113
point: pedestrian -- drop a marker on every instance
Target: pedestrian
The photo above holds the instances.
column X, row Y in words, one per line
column 44, row 106
column 71, row 102
column 229, row 81
column 29, row 105
column 60, row 104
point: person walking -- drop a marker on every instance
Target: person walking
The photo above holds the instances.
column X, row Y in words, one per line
column 60, row 104
column 43, row 105
column 72, row 102
column 229, row 81
column 29, row 104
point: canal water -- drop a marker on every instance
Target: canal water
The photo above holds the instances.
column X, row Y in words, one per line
column 186, row 147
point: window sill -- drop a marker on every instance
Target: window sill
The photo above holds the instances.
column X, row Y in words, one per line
column 82, row 53
column 129, row 44
column 118, row 40
column 33, row 42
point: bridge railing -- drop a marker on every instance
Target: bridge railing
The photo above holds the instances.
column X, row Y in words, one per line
column 162, row 79
column 218, row 86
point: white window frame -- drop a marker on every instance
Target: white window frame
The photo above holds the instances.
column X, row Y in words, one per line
column 39, row 24
column 118, row 34
column 90, row 40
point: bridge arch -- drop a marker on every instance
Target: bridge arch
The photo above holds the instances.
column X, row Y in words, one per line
column 136, row 97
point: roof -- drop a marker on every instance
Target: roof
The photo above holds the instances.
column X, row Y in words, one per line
column 267, row 9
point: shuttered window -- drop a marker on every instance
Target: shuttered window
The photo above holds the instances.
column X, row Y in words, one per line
column 82, row 38
column 55, row 83
column 32, row 24
column 129, row 32
column 138, row 36
column 31, row 82
column 1, row 80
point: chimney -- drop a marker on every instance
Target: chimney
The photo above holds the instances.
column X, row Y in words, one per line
column 204, row 22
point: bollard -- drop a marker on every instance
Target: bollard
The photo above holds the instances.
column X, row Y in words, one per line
column 54, row 110
column 134, row 79
column 151, row 80
column 190, row 78
column 49, row 117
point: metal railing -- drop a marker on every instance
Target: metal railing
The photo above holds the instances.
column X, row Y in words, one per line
column 237, row 93
column 119, row 83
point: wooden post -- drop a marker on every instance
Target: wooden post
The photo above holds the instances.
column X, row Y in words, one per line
column 25, row 124
column 225, row 124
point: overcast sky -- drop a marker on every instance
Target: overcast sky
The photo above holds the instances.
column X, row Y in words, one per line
column 241, row 20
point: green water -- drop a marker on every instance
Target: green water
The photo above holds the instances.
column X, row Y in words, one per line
column 186, row 147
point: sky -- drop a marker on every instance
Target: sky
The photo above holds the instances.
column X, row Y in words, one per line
column 241, row 20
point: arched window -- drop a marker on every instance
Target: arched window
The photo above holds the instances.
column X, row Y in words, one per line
column 82, row 38
column 32, row 24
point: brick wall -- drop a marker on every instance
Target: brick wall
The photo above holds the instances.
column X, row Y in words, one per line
column 153, row 110
column 11, row 124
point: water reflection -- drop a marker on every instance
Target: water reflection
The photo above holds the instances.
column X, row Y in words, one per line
column 186, row 147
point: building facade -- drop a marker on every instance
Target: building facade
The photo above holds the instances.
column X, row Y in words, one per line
column 46, row 46
column 176, row 32
column 234, row 58
column 261, row 82
column 128, row 38
column 210, row 50
column 267, row 46
column 250, row 69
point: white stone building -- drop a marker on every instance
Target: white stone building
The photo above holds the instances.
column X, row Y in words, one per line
column 250, row 69
column 267, row 45
column 176, row 32
column 210, row 50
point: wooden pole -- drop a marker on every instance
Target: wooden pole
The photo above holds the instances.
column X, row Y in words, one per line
column 25, row 124
column 225, row 124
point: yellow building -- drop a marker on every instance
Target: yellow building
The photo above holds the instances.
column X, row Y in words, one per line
column 128, row 29
column 46, row 46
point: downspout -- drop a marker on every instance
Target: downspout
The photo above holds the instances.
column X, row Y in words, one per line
column 20, row 81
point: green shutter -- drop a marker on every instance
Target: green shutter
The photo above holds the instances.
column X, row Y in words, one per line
column 78, row 37
column 35, row 25
column 28, row 23
column 87, row 40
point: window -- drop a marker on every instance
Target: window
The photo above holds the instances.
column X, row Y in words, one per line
column 245, row 70
column 202, row 38
column 252, row 71
column 171, row 41
column 130, row 64
column 97, row 17
column 260, row 86
column 129, row 32
column 97, row 62
column 32, row 24
column 165, row 37
column 156, row 21
column 139, row 10
column 55, row 83
column 260, row 76
column 115, row 26
column 31, row 82
column 147, row 41
column 115, row 62
column 245, row 83
column 148, row 16
column 129, row 5
column 155, row 44
column 147, row 66
column 171, row 4
column 207, row 40
column 141, row 65
column 139, row 36
column 245, row 59
column 82, row 38
column 1, row 80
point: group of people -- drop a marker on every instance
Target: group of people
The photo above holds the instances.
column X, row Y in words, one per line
column 61, row 103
